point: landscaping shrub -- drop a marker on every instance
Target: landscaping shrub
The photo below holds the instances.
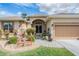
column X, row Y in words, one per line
column 30, row 34
column 30, row 31
column 44, row 36
column 44, row 33
column 12, row 40
column 31, row 38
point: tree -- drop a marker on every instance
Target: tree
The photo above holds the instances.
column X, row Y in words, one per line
column 23, row 15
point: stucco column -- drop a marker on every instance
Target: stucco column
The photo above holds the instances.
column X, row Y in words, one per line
column 52, row 29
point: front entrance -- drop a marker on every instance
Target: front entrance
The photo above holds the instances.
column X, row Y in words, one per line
column 39, row 26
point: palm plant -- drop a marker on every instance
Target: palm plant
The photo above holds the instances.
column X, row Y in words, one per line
column 30, row 31
column 30, row 34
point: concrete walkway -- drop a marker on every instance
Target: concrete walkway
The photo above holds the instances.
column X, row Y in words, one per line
column 48, row 43
column 71, row 45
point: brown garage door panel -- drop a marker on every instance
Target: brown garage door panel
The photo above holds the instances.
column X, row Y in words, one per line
column 67, row 30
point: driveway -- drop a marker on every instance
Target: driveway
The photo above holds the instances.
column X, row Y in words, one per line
column 71, row 45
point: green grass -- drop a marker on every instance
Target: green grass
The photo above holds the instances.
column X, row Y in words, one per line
column 43, row 51
column 2, row 53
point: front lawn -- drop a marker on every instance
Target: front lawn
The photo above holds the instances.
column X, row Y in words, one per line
column 45, row 51
column 41, row 51
column 2, row 53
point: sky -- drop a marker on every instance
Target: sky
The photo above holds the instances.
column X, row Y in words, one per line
column 16, row 9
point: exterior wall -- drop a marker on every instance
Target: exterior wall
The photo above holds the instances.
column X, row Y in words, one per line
column 16, row 25
column 51, row 27
column 48, row 25
column 65, row 20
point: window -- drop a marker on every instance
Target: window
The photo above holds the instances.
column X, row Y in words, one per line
column 8, row 26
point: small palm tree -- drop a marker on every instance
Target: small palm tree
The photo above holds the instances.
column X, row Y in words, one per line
column 30, row 34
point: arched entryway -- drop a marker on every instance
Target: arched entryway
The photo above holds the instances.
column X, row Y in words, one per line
column 39, row 26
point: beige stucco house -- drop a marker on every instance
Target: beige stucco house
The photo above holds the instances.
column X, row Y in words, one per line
column 60, row 26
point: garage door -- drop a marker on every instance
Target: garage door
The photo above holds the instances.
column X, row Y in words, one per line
column 67, row 30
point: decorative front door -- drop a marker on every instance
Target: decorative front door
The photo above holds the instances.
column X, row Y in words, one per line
column 39, row 29
column 39, row 25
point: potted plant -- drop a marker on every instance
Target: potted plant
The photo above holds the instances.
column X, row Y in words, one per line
column 30, row 35
column 31, row 38
column 44, row 36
